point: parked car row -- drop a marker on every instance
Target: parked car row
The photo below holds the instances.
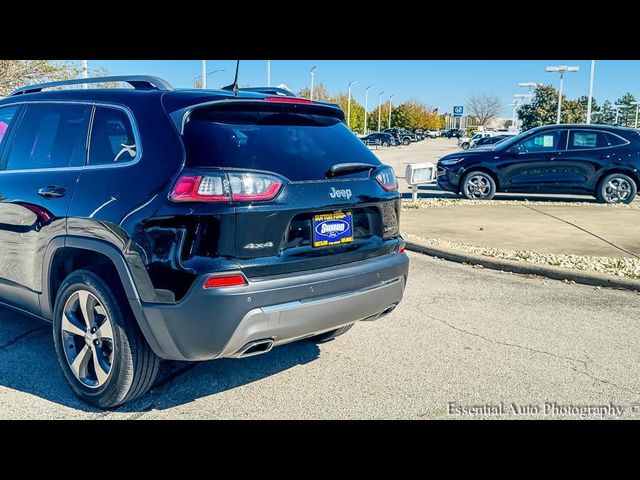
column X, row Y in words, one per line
column 390, row 137
column 597, row 160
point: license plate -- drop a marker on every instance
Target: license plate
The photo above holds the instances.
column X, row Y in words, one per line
column 332, row 229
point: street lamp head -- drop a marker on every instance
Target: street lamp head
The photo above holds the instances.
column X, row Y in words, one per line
column 381, row 93
column 367, row 89
column 635, row 103
column 313, row 69
column 528, row 84
column 391, row 97
column 352, row 83
column 562, row 69
column 521, row 95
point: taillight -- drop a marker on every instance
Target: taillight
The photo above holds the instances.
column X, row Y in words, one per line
column 387, row 179
column 219, row 281
column 226, row 186
column 252, row 187
column 402, row 248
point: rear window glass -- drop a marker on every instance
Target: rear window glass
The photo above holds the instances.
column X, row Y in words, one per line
column 299, row 146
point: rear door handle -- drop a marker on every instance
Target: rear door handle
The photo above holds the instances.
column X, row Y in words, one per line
column 52, row 191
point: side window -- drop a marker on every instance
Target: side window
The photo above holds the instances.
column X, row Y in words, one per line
column 581, row 140
column 614, row 140
column 50, row 136
column 112, row 139
column 547, row 141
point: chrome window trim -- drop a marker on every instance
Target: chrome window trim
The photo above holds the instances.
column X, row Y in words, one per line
column 571, row 130
column 86, row 166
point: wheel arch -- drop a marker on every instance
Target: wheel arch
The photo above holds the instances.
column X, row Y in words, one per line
column 95, row 255
column 618, row 169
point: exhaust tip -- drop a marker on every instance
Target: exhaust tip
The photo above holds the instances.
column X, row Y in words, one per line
column 256, row 347
column 389, row 309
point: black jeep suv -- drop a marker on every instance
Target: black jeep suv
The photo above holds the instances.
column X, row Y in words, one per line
column 148, row 223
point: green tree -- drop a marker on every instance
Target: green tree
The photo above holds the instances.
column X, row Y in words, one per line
column 543, row 109
column 357, row 110
column 627, row 111
column 606, row 115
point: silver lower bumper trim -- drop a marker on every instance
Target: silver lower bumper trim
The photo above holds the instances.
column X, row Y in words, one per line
column 292, row 321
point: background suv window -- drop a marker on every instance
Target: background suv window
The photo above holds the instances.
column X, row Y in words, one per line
column 547, row 141
column 581, row 140
column 112, row 139
column 50, row 136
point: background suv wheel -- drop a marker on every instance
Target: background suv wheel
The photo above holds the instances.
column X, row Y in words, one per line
column 616, row 188
column 100, row 348
column 478, row 186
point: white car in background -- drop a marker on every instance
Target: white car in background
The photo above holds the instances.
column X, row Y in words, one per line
column 469, row 142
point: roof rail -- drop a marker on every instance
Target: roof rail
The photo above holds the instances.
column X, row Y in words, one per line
column 139, row 82
column 269, row 90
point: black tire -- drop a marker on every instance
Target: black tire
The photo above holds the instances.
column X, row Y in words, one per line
column 385, row 144
column 327, row 336
column 406, row 141
column 478, row 185
column 134, row 367
column 465, row 145
column 616, row 188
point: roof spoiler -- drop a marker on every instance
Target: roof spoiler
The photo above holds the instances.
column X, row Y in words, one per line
column 181, row 116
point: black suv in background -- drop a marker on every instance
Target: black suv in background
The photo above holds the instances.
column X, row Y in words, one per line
column 152, row 223
column 402, row 137
column 597, row 160
column 452, row 133
column 382, row 139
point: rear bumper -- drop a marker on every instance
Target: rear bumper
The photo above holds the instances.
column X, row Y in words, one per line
column 218, row 323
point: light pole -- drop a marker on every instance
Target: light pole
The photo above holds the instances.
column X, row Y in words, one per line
column 366, row 105
column 518, row 100
column 617, row 107
column 637, row 104
column 349, row 105
column 390, row 110
column 379, row 108
column 204, row 82
column 313, row 73
column 85, row 72
column 204, row 74
column 530, row 86
column 268, row 73
column 561, row 69
column 590, row 100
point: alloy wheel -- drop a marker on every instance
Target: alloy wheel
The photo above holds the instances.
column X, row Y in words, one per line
column 87, row 338
column 477, row 186
column 617, row 190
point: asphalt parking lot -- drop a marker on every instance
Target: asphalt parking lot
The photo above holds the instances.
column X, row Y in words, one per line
column 462, row 336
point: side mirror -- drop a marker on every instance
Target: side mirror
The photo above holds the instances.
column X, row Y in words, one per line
column 513, row 151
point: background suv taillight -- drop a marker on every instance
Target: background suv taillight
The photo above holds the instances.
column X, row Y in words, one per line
column 226, row 186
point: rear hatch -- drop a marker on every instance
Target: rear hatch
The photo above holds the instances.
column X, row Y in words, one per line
column 274, row 160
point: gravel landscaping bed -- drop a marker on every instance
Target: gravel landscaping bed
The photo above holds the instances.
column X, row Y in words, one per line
column 627, row 267
column 455, row 202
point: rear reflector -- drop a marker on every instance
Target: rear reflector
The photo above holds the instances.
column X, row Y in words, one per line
column 402, row 248
column 289, row 100
column 234, row 280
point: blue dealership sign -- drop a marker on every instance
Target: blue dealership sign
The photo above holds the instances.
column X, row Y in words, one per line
column 458, row 110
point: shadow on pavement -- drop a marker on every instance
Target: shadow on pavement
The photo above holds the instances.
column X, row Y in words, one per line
column 30, row 365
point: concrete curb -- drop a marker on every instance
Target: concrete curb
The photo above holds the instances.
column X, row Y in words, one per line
column 556, row 273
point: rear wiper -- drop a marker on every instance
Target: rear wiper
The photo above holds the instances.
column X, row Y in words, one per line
column 346, row 168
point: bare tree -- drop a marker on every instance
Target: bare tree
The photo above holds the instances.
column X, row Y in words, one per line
column 17, row 73
column 485, row 107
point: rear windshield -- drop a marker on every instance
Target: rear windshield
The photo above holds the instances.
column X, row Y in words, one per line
column 299, row 146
